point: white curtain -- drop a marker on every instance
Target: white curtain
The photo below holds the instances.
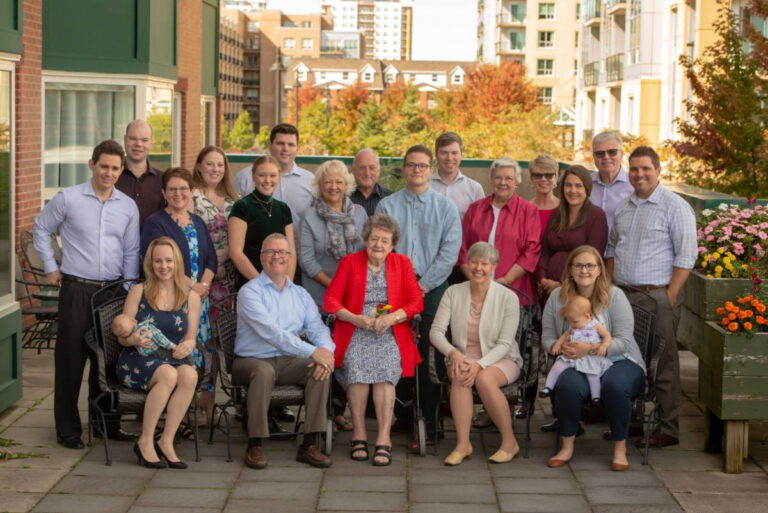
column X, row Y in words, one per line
column 77, row 118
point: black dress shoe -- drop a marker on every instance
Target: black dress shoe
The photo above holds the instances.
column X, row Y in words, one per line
column 283, row 414
column 178, row 464
column 70, row 442
column 118, row 435
column 143, row 462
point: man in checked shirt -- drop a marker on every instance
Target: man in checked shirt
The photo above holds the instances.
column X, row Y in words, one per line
column 652, row 247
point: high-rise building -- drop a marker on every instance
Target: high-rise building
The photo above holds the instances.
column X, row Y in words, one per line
column 629, row 76
column 542, row 35
column 244, row 5
column 386, row 25
column 231, row 45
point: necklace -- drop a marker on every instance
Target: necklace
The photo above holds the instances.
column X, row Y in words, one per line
column 475, row 309
column 179, row 220
column 264, row 204
column 374, row 270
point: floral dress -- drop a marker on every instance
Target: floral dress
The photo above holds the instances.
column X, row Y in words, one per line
column 135, row 370
column 204, row 326
column 215, row 219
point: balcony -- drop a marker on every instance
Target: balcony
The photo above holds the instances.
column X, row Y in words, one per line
column 616, row 7
column 507, row 19
column 592, row 13
column 614, row 67
column 505, row 48
column 591, row 73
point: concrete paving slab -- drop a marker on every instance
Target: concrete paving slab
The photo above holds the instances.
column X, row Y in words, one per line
column 183, row 497
column 642, row 477
column 200, row 480
column 442, row 507
column 63, row 503
column 632, row 496
column 33, row 378
column 273, row 490
column 29, row 480
column 715, row 482
column 449, row 476
column 161, row 509
column 362, row 501
column 457, row 493
column 365, row 483
column 348, row 467
column 19, row 502
column 523, row 485
column 307, row 475
column 101, row 485
column 536, row 503
column 628, row 508
column 36, row 417
column 34, row 436
column 269, row 505
column 722, row 503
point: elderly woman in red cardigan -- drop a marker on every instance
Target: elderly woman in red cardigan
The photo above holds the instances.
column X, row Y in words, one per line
column 373, row 294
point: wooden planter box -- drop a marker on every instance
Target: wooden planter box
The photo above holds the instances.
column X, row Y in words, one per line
column 733, row 384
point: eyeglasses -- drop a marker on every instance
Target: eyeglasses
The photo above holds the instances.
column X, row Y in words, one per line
column 174, row 190
column 410, row 166
column 282, row 253
column 539, row 176
column 584, row 267
column 602, row 153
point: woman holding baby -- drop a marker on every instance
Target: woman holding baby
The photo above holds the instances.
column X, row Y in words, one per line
column 163, row 302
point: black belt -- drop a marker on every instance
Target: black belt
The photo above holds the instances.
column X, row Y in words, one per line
column 84, row 281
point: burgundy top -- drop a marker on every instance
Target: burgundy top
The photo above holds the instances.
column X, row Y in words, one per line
column 556, row 246
column 516, row 239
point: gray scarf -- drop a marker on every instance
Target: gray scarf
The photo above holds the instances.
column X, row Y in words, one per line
column 341, row 236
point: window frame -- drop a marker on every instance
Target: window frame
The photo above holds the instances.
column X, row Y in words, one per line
column 8, row 62
column 544, row 100
column 550, row 69
column 545, row 18
column 544, row 43
column 285, row 43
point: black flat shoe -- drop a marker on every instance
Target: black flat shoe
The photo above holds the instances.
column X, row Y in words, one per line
column 171, row 464
column 117, row 435
column 70, row 442
column 143, row 462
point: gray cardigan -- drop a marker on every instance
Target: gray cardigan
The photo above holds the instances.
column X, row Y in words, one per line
column 312, row 255
column 617, row 319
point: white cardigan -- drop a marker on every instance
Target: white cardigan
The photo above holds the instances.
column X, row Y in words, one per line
column 497, row 327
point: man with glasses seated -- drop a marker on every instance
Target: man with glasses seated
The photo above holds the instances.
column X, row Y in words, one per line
column 272, row 313
column 430, row 235
column 610, row 183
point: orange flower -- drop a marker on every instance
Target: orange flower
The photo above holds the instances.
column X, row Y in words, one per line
column 729, row 304
column 747, row 325
column 743, row 314
column 741, row 300
column 754, row 303
column 733, row 326
column 725, row 321
column 760, row 320
column 732, row 316
column 760, row 308
column 720, row 311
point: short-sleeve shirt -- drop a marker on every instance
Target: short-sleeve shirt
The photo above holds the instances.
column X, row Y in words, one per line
column 262, row 220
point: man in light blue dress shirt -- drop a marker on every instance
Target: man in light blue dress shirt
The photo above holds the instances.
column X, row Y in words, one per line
column 295, row 186
column 99, row 229
column 272, row 314
column 652, row 247
column 430, row 235
column 610, row 183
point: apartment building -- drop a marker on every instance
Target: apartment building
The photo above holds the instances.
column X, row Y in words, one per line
column 629, row 76
column 541, row 34
column 386, row 25
column 231, row 63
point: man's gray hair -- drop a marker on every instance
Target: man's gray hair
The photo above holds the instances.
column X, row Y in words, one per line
column 606, row 136
column 274, row 236
column 507, row 162
column 483, row 250
column 366, row 150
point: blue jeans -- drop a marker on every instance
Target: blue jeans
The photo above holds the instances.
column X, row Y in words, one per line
column 620, row 385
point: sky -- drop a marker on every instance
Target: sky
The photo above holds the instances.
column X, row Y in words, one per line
column 443, row 30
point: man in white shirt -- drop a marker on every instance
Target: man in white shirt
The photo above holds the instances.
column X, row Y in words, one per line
column 449, row 180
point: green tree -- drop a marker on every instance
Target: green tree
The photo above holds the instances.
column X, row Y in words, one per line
column 262, row 138
column 241, row 136
column 226, row 139
column 160, row 122
column 723, row 145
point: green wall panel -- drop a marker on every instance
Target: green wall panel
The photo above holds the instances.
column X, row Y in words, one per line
column 122, row 36
column 10, row 359
column 10, row 26
column 210, row 49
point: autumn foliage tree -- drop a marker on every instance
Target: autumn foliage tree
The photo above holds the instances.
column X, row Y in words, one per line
column 724, row 143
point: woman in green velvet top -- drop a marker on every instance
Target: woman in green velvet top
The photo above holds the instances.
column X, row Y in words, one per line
column 255, row 216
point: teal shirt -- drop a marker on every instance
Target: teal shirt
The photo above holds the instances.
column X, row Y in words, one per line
column 430, row 233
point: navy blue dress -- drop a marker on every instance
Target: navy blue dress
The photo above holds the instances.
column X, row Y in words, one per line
column 135, row 370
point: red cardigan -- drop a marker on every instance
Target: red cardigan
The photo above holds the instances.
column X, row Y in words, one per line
column 347, row 290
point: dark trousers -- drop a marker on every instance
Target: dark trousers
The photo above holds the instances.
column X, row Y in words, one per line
column 69, row 357
column 620, row 384
column 429, row 393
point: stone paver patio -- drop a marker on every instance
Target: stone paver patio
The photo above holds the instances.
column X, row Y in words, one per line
column 682, row 478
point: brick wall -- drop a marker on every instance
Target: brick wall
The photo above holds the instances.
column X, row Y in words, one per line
column 29, row 119
column 190, row 26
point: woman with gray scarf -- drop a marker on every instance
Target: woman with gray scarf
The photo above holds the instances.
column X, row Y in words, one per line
column 329, row 231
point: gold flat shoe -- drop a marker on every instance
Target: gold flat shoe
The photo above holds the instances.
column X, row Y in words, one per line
column 457, row 457
column 503, row 456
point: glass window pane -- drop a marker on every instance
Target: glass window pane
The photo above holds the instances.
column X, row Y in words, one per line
column 159, row 117
column 77, row 118
column 6, row 248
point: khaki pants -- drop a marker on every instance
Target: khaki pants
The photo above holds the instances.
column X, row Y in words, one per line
column 668, row 373
column 260, row 375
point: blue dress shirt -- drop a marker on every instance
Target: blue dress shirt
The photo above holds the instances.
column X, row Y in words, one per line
column 270, row 321
column 430, row 233
column 608, row 196
column 100, row 240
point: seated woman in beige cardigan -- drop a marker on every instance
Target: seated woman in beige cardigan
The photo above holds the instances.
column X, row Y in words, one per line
column 483, row 353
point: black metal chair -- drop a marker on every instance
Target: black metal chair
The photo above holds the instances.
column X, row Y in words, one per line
column 517, row 392
column 42, row 332
column 114, row 400
column 225, row 331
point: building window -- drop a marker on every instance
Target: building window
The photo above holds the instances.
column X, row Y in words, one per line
column 253, row 26
column 306, row 44
column 516, row 40
column 546, row 39
column 412, row 76
column 457, row 78
column 517, row 13
column 345, row 75
column 546, row 11
column 322, row 75
column 390, row 78
column 545, row 67
column 306, row 24
column 434, row 77
column 68, row 140
column 253, row 43
column 545, row 95
column 207, row 120
column 289, row 43
column 159, row 102
column 6, row 192
column 367, row 76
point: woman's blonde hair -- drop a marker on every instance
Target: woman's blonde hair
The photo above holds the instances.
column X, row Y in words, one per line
column 601, row 295
column 333, row 167
column 225, row 186
column 152, row 284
